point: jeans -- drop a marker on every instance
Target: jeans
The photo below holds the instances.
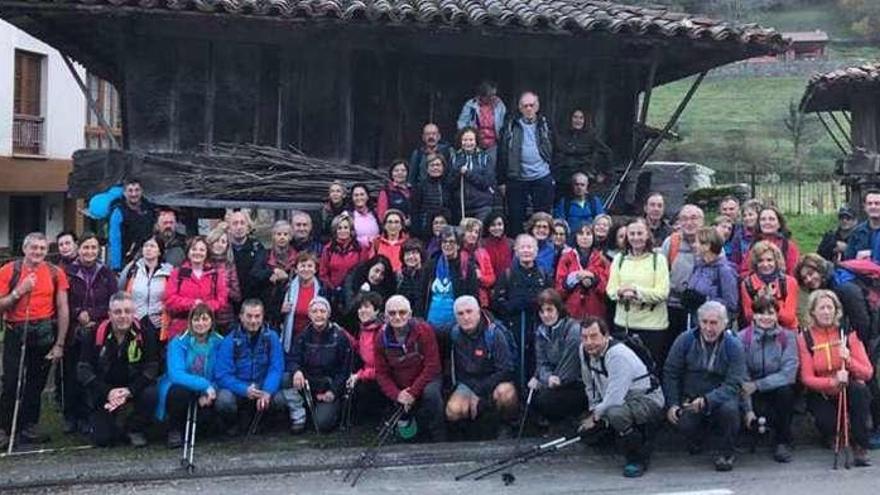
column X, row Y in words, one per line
column 519, row 192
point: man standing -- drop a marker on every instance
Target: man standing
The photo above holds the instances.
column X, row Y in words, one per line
column 303, row 240
column 581, row 207
column 680, row 253
column 482, row 368
column 175, row 243
column 655, row 211
column 245, row 249
column 623, row 395
column 525, row 156
column 431, row 145
column 485, row 113
column 408, row 366
column 249, row 367
column 702, row 379
column 862, row 243
column 33, row 301
column 118, row 366
column 834, row 242
column 131, row 222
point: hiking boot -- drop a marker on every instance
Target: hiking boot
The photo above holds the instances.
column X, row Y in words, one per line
column 633, row 469
column 175, row 439
column 297, row 428
column 30, row 434
column 782, row 453
column 724, row 463
column 137, row 439
column 70, row 426
column 860, row 457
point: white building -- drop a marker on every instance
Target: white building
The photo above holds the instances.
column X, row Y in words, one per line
column 42, row 122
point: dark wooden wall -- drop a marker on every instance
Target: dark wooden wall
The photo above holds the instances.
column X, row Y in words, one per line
column 343, row 102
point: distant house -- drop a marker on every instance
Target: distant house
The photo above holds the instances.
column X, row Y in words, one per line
column 805, row 45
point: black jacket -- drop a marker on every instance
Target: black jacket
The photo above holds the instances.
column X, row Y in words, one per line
column 323, row 357
column 105, row 364
column 510, row 151
column 481, row 361
column 245, row 257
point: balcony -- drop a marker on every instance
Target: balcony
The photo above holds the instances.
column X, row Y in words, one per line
column 27, row 135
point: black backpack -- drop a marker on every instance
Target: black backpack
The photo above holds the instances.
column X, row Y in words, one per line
column 635, row 344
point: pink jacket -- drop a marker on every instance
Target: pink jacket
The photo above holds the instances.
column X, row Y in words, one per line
column 366, row 349
column 183, row 290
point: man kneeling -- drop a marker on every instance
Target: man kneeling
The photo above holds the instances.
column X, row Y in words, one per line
column 623, row 395
column 482, row 368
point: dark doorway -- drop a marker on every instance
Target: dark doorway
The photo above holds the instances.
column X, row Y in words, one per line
column 25, row 216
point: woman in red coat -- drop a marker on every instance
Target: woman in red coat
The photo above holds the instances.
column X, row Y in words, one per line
column 195, row 281
column 390, row 243
column 831, row 361
column 339, row 257
column 772, row 228
column 472, row 230
column 582, row 275
column 767, row 276
column 497, row 244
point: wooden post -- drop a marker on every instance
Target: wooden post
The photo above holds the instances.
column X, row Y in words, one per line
column 210, row 95
column 93, row 106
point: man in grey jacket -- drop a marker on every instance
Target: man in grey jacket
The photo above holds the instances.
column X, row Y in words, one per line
column 623, row 395
column 702, row 380
column 772, row 364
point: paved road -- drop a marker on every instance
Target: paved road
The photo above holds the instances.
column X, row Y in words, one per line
column 577, row 471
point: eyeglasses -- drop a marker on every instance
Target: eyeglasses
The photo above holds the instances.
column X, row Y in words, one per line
column 396, row 312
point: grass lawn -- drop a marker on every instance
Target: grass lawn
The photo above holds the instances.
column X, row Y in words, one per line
column 808, row 230
column 732, row 123
column 806, row 18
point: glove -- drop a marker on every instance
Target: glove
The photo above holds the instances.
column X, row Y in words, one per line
column 692, row 299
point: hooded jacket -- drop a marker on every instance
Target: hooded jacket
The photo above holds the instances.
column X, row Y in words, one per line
column 717, row 281
column 244, row 359
column 613, row 377
column 478, row 361
column 696, row 369
column 556, row 351
column 184, row 289
column 190, row 365
column 582, row 300
column 771, row 358
column 338, row 260
column 147, row 290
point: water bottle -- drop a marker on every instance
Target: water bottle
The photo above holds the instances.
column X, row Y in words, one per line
column 762, row 425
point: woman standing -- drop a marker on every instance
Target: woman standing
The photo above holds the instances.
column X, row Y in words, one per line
column 190, row 377
column 339, row 257
column 540, row 226
column 91, row 285
column 196, row 281
column 582, row 276
column 146, row 279
column 366, row 223
column 391, row 241
column 221, row 255
column 332, row 208
column 639, row 284
column 602, row 235
column 273, row 269
column 475, row 185
column 411, row 279
column 497, row 244
column 302, row 290
column 833, row 361
column 767, row 278
column 772, row 229
column 713, row 278
column 397, row 194
column 431, row 195
column 448, row 278
column 471, row 249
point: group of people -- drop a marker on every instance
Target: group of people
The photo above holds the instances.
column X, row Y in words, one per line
column 422, row 301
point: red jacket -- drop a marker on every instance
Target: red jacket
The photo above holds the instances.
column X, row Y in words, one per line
column 366, row 349
column 818, row 367
column 579, row 300
column 382, row 203
column 500, row 253
column 182, row 290
column 789, row 248
column 409, row 366
column 391, row 250
column 337, row 261
column 486, row 277
column 787, row 305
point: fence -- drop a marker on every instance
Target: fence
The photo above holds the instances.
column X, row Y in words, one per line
column 803, row 198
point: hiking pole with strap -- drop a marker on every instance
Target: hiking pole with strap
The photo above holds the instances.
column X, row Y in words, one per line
column 368, row 457
column 21, row 376
column 522, row 422
column 310, row 403
column 189, row 437
column 841, row 436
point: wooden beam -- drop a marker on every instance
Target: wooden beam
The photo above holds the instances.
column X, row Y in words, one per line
column 93, row 106
column 210, row 95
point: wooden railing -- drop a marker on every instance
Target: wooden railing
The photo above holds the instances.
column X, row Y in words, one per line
column 27, row 134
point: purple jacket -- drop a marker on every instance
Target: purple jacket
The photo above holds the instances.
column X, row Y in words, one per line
column 90, row 290
column 718, row 281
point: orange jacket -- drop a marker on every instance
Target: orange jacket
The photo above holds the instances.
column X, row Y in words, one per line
column 819, row 366
column 390, row 249
column 787, row 305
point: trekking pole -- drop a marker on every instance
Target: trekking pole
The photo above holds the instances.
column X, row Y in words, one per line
column 310, row 403
column 346, row 408
column 847, row 449
column 255, row 421
column 462, row 195
column 505, row 460
column 522, row 349
column 21, row 376
column 368, row 457
column 522, row 422
column 189, row 440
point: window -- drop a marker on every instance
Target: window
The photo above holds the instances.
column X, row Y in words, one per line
column 27, row 124
column 106, row 100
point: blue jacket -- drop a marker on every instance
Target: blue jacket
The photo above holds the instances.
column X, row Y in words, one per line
column 481, row 360
column 479, row 182
column 694, row 369
column 861, row 238
column 771, row 358
column 577, row 215
column 243, row 360
column 717, row 281
column 323, row 357
column 470, row 115
column 179, row 361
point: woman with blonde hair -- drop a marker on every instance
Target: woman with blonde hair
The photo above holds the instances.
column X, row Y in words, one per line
column 767, row 277
column 220, row 254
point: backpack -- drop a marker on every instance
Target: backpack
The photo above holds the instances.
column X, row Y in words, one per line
column 781, row 282
column 638, row 347
column 591, row 202
column 16, row 275
column 494, row 330
column 674, row 248
column 808, row 338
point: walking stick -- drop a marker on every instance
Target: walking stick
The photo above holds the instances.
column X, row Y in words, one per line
column 307, row 392
column 189, row 439
column 368, row 457
column 21, row 376
column 841, row 437
column 462, row 195
column 522, row 349
column 522, row 422
column 255, row 421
